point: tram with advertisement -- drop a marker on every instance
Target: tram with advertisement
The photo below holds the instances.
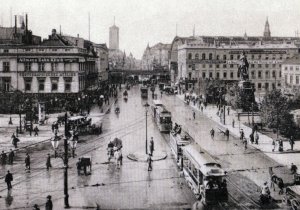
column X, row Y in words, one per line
column 177, row 141
column 144, row 92
column 204, row 175
column 162, row 117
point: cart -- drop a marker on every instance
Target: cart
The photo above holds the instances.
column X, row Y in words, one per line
column 83, row 164
column 292, row 197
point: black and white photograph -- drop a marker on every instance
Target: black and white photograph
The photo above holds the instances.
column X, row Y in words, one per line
column 149, row 104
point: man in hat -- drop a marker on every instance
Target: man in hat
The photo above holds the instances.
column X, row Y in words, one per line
column 8, row 179
column 36, row 131
column 3, row 158
column 11, row 156
column 151, row 146
column 48, row 162
column 49, row 204
column 27, row 161
column 149, row 160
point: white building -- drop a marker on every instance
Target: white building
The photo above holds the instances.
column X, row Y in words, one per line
column 291, row 75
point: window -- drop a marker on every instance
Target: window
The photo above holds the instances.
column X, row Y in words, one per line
column 259, row 74
column 231, row 57
column 210, row 74
column 203, row 75
column 210, row 65
column 238, row 57
column 273, row 74
column 54, row 84
column 274, row 65
column 27, row 84
column 253, row 74
column 224, row 66
column 41, row 66
column 203, row 65
column 286, row 68
column 291, row 68
column 231, row 75
column 297, row 80
column 218, row 57
column 203, row 56
column 210, row 56
column 252, row 57
column 6, row 66
column 267, row 75
column 252, row 66
column 193, row 67
column 53, row 66
column 280, row 74
column 197, row 56
column 267, row 86
column 224, row 57
column 231, row 65
column 267, row 65
column 190, row 76
column 291, row 79
column 6, row 83
column 224, row 74
column 5, row 50
column 218, row 75
column 259, row 65
column 190, row 56
column 217, row 66
column 273, row 86
column 259, row 57
column 27, row 66
column 259, row 86
column 68, row 82
column 41, row 82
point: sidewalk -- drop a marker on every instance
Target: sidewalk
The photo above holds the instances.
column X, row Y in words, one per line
column 264, row 142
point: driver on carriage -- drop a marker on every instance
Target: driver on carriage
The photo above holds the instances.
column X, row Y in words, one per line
column 125, row 93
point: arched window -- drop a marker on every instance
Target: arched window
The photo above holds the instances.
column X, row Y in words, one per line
column 190, row 56
column 210, row 56
column 203, row 56
column 197, row 56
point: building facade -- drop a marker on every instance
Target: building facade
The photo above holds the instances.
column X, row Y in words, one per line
column 102, row 62
column 114, row 37
column 203, row 57
column 53, row 66
column 291, row 76
column 156, row 57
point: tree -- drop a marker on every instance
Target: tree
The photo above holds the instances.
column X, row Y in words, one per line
column 275, row 113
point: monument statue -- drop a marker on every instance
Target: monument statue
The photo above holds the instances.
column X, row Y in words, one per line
column 243, row 72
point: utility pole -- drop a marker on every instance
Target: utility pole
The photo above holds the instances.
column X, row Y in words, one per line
column 146, row 134
column 66, row 159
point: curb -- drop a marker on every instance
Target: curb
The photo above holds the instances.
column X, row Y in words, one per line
column 140, row 157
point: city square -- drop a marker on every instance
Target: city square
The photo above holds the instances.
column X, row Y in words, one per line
column 153, row 108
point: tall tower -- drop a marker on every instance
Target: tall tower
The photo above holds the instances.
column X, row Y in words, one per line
column 267, row 32
column 114, row 37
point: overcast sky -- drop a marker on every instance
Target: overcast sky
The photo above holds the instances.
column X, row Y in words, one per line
column 153, row 21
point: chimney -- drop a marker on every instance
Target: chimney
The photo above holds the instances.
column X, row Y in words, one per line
column 26, row 20
column 15, row 24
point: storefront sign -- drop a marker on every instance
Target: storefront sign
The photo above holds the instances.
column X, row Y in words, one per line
column 48, row 60
column 48, row 74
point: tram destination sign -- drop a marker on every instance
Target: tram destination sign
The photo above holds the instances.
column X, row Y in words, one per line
column 47, row 74
column 48, row 60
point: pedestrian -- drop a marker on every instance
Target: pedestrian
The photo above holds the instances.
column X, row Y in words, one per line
column 36, row 131
column 233, row 123
column 227, row 134
column 280, row 185
column 27, row 162
column 149, row 160
column 151, row 146
column 8, row 179
column 3, row 158
column 78, row 165
column 280, row 145
column 36, row 207
column 274, row 145
column 11, row 156
column 49, row 204
column 245, row 143
column 292, row 142
column 48, row 162
column 15, row 141
column 256, row 138
column 161, row 93
column 251, row 137
column 212, row 133
column 242, row 134
column 194, row 115
column 201, row 108
column 228, row 110
column 294, row 168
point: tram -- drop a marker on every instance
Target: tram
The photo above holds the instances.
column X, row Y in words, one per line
column 204, row 175
column 162, row 116
column 144, row 92
column 177, row 141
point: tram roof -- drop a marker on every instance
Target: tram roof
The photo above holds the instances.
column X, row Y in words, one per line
column 203, row 161
column 157, row 102
column 76, row 118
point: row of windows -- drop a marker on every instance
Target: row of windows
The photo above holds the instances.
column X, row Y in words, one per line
column 291, row 68
column 54, row 85
column 232, row 57
column 252, row 75
column 266, row 86
column 235, row 66
column 291, row 81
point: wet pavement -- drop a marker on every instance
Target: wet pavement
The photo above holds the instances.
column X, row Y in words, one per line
column 130, row 187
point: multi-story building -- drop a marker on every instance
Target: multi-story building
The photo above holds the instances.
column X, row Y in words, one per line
column 102, row 61
column 198, row 58
column 114, row 37
column 156, row 57
column 291, row 76
column 52, row 66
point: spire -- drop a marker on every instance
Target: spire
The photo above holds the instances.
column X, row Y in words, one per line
column 267, row 32
column 245, row 35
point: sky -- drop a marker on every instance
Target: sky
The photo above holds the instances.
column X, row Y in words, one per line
column 152, row 21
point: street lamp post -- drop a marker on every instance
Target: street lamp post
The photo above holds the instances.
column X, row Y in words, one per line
column 55, row 143
column 66, row 159
column 146, row 108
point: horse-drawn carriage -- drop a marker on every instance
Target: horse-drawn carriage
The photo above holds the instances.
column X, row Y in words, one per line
column 114, row 151
column 80, row 123
column 125, row 95
column 83, row 164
